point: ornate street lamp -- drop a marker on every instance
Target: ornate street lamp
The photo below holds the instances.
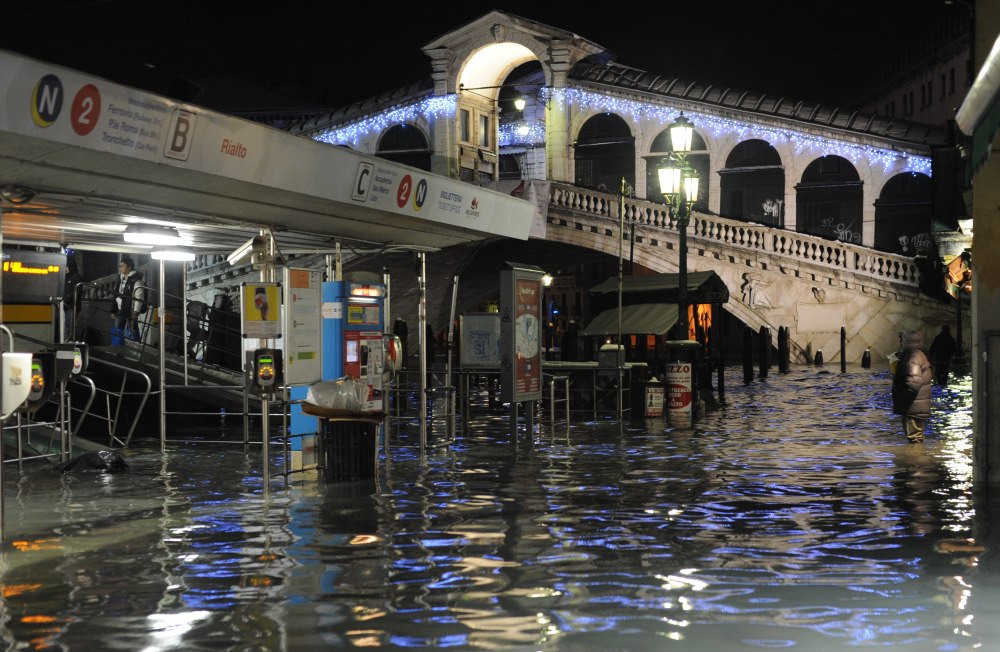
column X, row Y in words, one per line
column 679, row 185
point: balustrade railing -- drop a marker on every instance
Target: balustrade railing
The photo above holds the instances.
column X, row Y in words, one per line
column 735, row 234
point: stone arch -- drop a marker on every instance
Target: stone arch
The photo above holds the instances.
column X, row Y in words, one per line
column 903, row 215
column 405, row 143
column 485, row 62
column 752, row 184
column 829, row 199
column 604, row 153
column 512, row 166
column 699, row 159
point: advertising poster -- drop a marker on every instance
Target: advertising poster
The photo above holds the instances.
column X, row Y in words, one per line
column 654, row 400
column 520, row 333
column 679, row 394
column 527, row 330
column 260, row 305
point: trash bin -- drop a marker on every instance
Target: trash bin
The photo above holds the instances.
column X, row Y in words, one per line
column 681, row 391
column 349, row 449
column 646, row 397
column 654, row 398
column 349, row 442
column 611, row 356
column 637, row 396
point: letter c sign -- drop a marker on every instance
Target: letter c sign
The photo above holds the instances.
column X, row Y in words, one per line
column 362, row 182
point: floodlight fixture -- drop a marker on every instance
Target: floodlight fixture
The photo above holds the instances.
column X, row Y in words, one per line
column 172, row 253
column 151, row 234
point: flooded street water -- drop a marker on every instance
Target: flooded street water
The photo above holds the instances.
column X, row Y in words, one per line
column 794, row 517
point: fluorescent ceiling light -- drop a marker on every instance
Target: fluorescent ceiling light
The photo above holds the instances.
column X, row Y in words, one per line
column 172, row 254
column 152, row 234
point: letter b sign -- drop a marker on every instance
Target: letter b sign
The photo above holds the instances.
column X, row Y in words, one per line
column 180, row 135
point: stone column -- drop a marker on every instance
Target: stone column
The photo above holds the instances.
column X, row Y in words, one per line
column 444, row 160
column 558, row 153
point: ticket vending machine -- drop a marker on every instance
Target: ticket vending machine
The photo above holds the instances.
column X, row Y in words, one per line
column 353, row 325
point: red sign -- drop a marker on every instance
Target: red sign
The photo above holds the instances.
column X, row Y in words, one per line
column 404, row 190
column 86, row 110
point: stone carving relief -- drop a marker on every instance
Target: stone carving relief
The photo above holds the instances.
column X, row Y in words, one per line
column 754, row 291
column 772, row 207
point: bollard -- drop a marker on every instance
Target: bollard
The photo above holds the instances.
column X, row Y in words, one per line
column 866, row 359
column 819, row 358
column 843, row 349
column 747, row 356
column 764, row 346
column 783, row 349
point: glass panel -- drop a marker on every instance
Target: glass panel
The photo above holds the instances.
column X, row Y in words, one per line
column 484, row 131
column 464, row 126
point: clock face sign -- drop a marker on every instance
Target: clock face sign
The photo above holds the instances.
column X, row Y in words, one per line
column 527, row 336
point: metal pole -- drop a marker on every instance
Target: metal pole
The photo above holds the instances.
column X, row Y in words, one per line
column 618, row 342
column 386, row 328
column 387, row 304
column 422, row 340
column 683, row 217
column 184, row 320
column 264, row 417
column 451, row 342
column 162, row 311
column 267, row 276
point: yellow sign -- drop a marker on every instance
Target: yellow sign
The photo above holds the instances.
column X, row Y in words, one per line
column 261, row 309
column 17, row 267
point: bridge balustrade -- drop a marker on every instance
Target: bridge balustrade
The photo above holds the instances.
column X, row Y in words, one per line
column 740, row 235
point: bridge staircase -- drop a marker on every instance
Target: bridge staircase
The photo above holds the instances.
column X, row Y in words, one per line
column 776, row 277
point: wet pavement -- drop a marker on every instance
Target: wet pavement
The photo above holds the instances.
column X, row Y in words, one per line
column 794, row 517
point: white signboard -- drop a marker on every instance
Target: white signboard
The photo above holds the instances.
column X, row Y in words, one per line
column 303, row 325
column 480, row 340
column 67, row 107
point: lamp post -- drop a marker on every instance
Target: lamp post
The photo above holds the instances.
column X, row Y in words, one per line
column 679, row 185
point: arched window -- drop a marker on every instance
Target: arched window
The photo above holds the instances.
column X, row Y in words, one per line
column 405, row 144
column 828, row 200
column 903, row 215
column 697, row 158
column 752, row 184
column 510, row 166
column 605, row 152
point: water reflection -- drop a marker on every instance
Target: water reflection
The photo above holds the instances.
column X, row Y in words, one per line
column 795, row 516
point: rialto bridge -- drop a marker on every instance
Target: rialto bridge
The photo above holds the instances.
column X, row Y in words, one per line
column 816, row 217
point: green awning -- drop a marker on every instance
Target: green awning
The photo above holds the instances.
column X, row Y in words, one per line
column 979, row 115
column 637, row 319
column 982, row 140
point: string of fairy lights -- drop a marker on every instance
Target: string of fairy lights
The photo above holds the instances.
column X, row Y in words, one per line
column 533, row 132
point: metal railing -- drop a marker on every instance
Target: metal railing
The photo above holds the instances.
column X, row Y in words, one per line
column 554, row 402
column 208, row 337
column 68, row 420
column 115, row 401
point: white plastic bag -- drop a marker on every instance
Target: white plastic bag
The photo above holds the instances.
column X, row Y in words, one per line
column 344, row 393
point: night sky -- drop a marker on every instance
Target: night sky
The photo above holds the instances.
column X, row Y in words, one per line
column 311, row 50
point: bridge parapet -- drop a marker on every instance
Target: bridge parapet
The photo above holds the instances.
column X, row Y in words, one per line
column 740, row 235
